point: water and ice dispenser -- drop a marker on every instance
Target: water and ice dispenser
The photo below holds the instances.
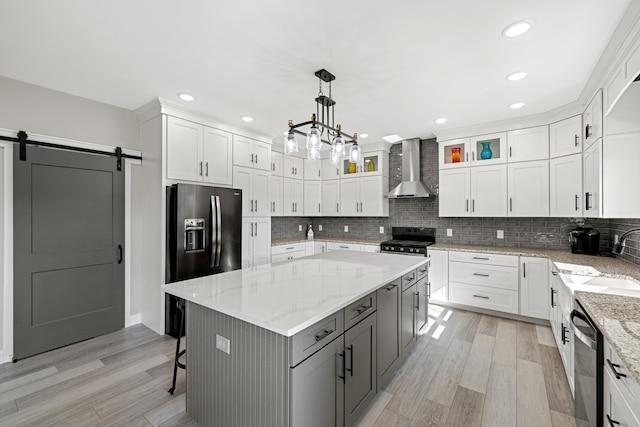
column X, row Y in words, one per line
column 194, row 238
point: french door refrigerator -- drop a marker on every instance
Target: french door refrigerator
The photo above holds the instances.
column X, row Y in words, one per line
column 204, row 235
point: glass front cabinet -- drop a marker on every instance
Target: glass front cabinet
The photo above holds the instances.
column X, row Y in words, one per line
column 489, row 149
column 454, row 153
column 370, row 164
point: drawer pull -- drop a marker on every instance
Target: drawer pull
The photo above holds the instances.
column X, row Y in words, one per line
column 362, row 309
column 480, row 274
column 612, row 422
column 480, row 296
column 324, row 334
column 422, row 271
column 613, row 367
column 344, row 247
column 409, row 279
column 482, row 258
column 289, row 248
column 391, row 287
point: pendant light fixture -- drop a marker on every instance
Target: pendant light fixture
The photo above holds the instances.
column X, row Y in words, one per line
column 323, row 121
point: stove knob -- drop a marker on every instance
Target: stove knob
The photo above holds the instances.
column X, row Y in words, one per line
column 401, row 249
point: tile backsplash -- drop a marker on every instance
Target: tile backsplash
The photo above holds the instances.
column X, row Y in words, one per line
column 550, row 233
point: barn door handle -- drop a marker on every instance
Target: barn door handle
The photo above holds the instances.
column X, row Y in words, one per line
column 119, row 254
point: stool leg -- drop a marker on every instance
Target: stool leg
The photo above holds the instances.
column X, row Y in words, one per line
column 175, row 362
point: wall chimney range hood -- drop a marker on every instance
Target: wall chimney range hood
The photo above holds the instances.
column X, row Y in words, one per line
column 411, row 186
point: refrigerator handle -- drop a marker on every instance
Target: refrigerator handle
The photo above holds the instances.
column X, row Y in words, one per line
column 216, row 232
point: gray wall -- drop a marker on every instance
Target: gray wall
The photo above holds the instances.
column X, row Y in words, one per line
column 35, row 109
column 551, row 233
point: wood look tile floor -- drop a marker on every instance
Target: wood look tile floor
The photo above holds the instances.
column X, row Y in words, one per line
column 467, row 369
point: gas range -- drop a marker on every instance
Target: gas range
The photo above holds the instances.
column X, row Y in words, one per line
column 409, row 240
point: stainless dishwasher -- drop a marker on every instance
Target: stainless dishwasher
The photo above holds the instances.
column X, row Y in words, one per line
column 588, row 368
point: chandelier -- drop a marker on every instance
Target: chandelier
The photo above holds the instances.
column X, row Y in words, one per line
column 323, row 129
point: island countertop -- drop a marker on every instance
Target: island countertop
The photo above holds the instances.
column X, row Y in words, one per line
column 287, row 297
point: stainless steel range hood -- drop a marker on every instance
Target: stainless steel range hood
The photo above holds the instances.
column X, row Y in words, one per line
column 411, row 186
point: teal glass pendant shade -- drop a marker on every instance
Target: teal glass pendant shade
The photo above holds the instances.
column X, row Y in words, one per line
column 486, row 152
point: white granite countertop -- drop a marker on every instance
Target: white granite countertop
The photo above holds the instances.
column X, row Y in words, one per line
column 287, row 297
column 353, row 240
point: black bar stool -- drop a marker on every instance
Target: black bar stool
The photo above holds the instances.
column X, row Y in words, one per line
column 177, row 364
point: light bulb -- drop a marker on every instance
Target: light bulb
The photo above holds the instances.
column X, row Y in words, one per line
column 338, row 143
column 290, row 143
column 334, row 156
column 313, row 154
column 313, row 139
column 354, row 155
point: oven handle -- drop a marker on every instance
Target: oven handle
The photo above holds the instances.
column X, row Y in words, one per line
column 590, row 342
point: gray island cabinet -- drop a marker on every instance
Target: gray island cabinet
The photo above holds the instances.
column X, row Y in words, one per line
column 301, row 343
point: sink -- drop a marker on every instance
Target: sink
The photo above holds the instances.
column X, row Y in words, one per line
column 602, row 284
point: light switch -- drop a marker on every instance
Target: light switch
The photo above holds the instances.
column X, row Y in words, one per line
column 223, row 344
column 346, row 228
column 381, row 230
column 319, row 227
column 299, row 227
column 500, row 234
column 449, row 232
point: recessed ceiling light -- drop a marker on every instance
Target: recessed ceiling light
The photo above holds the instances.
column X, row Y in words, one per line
column 517, row 76
column 517, row 29
column 247, row 119
column 516, row 105
column 392, row 138
column 441, row 120
column 364, row 135
column 186, row 97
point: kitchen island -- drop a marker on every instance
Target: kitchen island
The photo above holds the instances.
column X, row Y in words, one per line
column 280, row 345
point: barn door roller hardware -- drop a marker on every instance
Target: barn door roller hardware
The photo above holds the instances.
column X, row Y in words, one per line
column 22, row 139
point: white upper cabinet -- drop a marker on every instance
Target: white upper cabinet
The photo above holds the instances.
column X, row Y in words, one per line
column 528, row 144
column 489, row 191
column 330, row 197
column 255, row 186
column 528, row 188
column 277, row 163
column 454, row 153
column 292, row 196
column 592, row 180
column 488, row 149
column 565, row 191
column 312, row 170
column 620, row 197
column 455, row 192
column 374, row 163
column 251, row 153
column 330, row 171
column 293, row 167
column 364, row 196
column 593, row 120
column 312, row 198
column 277, row 201
column 565, row 137
column 198, row 153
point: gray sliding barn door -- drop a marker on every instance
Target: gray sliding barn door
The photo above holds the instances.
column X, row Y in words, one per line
column 68, row 248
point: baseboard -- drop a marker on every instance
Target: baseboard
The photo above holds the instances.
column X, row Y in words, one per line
column 133, row 319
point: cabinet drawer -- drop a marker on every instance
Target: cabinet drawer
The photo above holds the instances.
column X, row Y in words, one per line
column 281, row 249
column 287, row 256
column 334, row 246
column 306, row 342
column 485, row 297
column 422, row 271
column 359, row 310
column 482, row 258
column 629, row 388
column 408, row 280
column 495, row 276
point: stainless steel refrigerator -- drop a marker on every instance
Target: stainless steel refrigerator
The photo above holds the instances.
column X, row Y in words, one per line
column 204, row 235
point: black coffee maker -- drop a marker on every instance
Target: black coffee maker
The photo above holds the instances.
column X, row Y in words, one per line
column 585, row 240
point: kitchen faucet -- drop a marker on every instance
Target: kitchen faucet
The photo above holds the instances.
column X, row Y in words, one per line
column 618, row 248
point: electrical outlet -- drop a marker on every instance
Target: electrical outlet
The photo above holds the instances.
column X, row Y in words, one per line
column 500, row 234
column 616, row 239
column 381, row 230
column 299, row 227
column 319, row 227
column 449, row 232
column 346, row 228
column 223, row 344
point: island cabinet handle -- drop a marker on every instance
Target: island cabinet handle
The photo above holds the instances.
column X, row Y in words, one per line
column 481, row 274
column 344, row 366
column 350, row 348
column 612, row 422
column 362, row 309
column 418, row 298
column 613, row 367
column 480, row 296
column 325, row 333
column 391, row 287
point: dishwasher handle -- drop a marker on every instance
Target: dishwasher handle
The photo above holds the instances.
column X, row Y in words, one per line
column 589, row 341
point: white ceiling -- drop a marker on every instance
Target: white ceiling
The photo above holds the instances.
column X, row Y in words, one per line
column 399, row 65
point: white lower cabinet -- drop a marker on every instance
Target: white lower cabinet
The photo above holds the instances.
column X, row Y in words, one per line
column 319, row 247
column 534, row 287
column 281, row 253
column 438, row 275
column 371, row 248
column 484, row 297
column 621, row 393
column 335, row 246
column 256, row 241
